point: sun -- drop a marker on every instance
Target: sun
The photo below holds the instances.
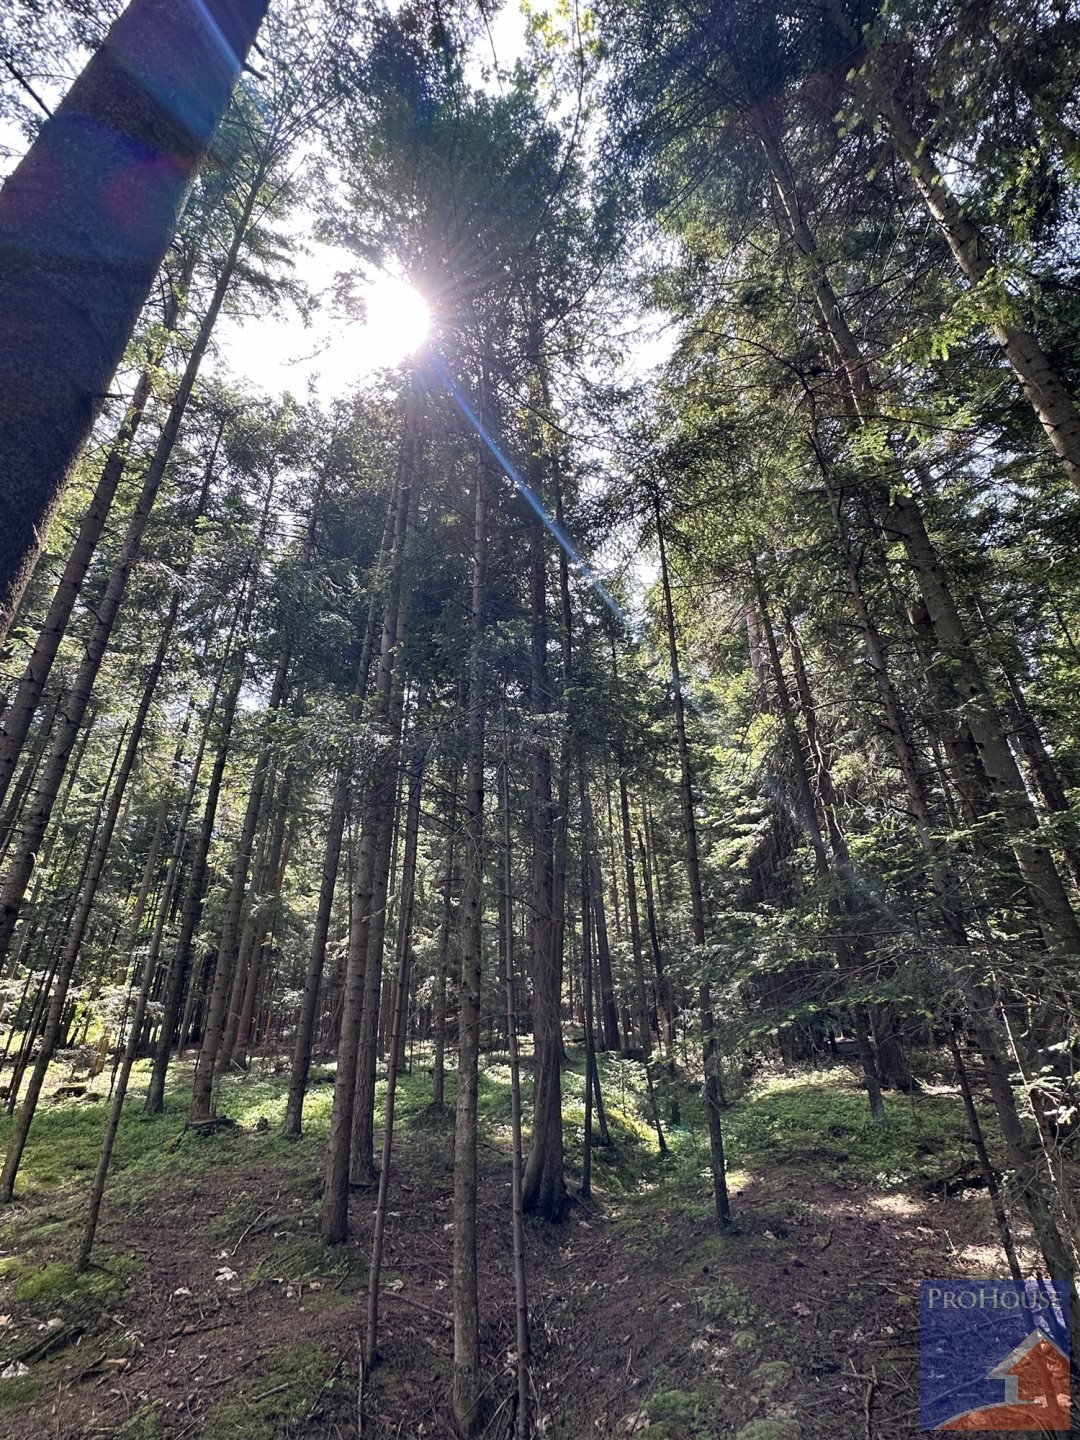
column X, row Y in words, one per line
column 395, row 324
column 397, row 321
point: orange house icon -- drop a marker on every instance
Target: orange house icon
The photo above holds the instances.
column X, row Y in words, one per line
column 1036, row 1376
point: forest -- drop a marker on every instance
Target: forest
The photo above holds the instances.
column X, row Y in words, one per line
column 540, row 861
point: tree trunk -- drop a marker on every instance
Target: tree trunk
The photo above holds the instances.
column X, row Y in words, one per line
column 155, row 1095
column 217, row 1007
column 710, row 1057
column 78, row 697
column 904, row 518
column 990, row 1175
column 466, row 1371
column 609, row 1018
column 439, row 1079
column 1054, row 405
column 335, row 1205
column 851, row 958
column 404, row 943
column 72, row 278
column 641, row 990
column 268, row 895
column 19, row 714
column 305, row 1028
column 544, row 1181
column 54, row 1027
column 383, row 815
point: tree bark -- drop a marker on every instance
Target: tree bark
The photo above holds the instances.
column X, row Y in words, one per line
column 192, row 906
column 404, row 943
column 217, row 1007
column 466, row 1369
column 851, row 958
column 438, row 1096
column 78, row 697
column 710, row 1056
column 19, row 714
column 75, row 269
column 53, row 1029
column 335, row 1205
column 305, row 1027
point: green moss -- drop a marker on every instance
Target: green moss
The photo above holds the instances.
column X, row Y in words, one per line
column 276, row 1400
column 145, row 1424
column 772, row 1376
column 726, row 1301
column 18, row 1391
column 824, row 1120
column 677, row 1406
column 778, row 1428
column 59, row 1286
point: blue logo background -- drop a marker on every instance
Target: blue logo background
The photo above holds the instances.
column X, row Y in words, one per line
column 962, row 1337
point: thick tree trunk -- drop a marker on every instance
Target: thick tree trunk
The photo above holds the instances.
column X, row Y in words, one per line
column 74, row 270
column 78, row 697
column 19, row 714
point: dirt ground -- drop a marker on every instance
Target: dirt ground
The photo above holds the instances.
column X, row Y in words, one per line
column 233, row 1323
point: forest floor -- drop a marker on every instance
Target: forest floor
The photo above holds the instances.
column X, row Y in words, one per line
column 214, row 1313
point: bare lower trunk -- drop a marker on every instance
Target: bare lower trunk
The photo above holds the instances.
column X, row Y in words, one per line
column 217, row 1005
column 438, row 1095
column 335, row 1205
column 19, row 714
column 466, row 1370
column 710, row 1057
column 641, row 995
column 517, row 1218
column 401, row 969
column 53, row 1029
column 192, row 905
